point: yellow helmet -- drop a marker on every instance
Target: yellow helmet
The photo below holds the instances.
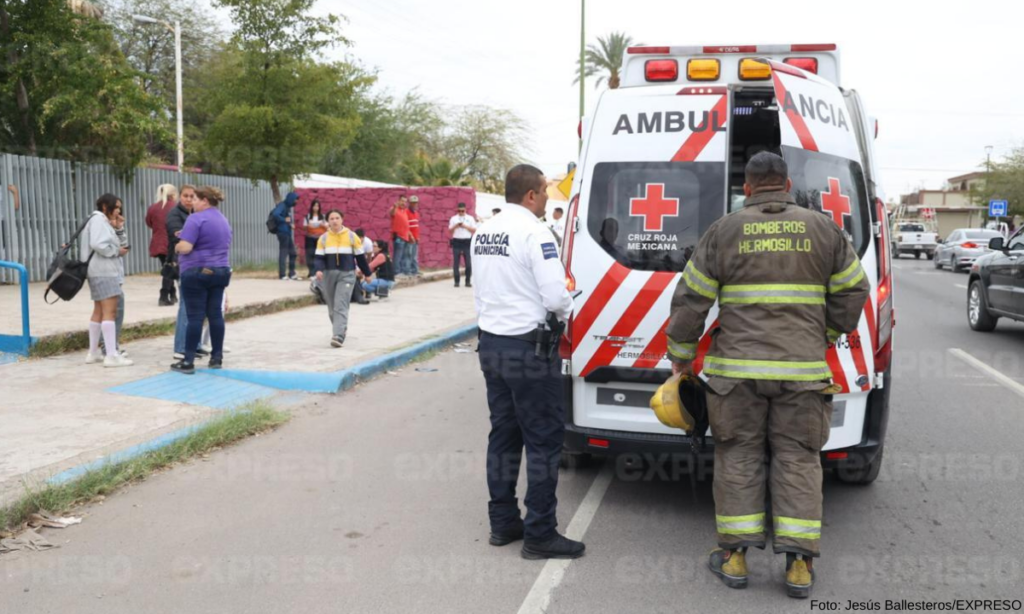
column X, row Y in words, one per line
column 668, row 406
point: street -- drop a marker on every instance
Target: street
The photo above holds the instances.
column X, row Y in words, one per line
column 374, row 500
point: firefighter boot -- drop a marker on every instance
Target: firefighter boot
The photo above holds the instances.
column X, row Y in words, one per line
column 799, row 576
column 730, row 566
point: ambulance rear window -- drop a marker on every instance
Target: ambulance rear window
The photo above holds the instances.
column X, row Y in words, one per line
column 833, row 186
column 649, row 216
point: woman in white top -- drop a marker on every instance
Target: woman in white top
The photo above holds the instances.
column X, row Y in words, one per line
column 316, row 225
column 102, row 249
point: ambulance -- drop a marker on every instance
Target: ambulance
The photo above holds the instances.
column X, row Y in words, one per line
column 663, row 157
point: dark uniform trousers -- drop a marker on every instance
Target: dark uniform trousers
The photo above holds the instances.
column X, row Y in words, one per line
column 792, row 419
column 524, row 394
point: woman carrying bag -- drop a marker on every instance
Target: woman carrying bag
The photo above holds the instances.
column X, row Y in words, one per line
column 102, row 249
column 382, row 267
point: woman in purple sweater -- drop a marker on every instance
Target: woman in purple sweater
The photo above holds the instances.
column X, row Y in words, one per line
column 205, row 270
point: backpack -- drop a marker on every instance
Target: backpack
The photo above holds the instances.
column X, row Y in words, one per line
column 66, row 275
column 272, row 222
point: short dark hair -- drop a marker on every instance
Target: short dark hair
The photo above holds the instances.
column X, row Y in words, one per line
column 360, row 233
column 107, row 203
column 766, row 169
column 559, row 210
column 496, row 211
column 461, row 206
column 520, row 180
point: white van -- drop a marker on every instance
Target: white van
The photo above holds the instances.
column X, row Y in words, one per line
column 663, row 157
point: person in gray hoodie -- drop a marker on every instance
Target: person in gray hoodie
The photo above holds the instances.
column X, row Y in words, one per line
column 102, row 249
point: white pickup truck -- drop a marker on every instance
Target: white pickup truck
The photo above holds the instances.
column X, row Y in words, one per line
column 912, row 238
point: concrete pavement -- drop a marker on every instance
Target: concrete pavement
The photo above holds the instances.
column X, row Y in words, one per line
column 60, row 413
column 378, row 495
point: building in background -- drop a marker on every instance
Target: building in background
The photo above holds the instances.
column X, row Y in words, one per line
column 948, row 209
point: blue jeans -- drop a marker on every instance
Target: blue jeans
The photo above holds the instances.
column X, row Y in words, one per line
column 181, row 325
column 401, row 245
column 412, row 256
column 202, row 291
column 286, row 251
column 525, row 400
column 371, row 286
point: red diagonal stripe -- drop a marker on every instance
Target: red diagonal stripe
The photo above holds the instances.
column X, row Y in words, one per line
column 697, row 141
column 658, row 346
column 838, row 374
column 611, row 281
column 797, row 120
column 869, row 314
column 630, row 319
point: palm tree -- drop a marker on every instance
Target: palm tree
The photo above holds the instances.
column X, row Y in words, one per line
column 86, row 8
column 422, row 171
column 605, row 58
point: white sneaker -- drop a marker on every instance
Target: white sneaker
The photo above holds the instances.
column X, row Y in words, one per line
column 91, row 359
column 284, row 279
column 205, row 348
column 179, row 356
column 117, row 361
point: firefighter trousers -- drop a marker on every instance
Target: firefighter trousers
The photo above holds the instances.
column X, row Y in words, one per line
column 788, row 420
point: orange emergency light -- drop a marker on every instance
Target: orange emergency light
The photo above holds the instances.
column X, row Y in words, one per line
column 703, row 69
column 754, row 70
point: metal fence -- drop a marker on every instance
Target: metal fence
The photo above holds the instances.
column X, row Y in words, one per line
column 56, row 196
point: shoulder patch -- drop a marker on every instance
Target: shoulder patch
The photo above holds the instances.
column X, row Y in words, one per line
column 550, row 250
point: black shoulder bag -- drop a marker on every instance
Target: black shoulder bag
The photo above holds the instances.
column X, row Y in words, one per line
column 67, row 275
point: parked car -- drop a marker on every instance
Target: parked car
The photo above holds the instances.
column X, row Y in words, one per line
column 997, row 284
column 963, row 247
column 912, row 238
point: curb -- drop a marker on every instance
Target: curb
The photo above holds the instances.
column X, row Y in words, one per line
column 346, row 379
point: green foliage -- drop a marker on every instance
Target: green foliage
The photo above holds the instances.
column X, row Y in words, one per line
column 66, row 91
column 275, row 108
column 485, row 141
column 605, row 59
column 1004, row 181
column 422, row 171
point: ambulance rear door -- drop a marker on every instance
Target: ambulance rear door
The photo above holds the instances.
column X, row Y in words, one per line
column 820, row 145
column 653, row 180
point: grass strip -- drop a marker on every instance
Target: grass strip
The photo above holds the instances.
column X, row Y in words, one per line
column 238, row 424
column 62, row 343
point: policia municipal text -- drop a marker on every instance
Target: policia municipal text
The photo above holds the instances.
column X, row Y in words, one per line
column 788, row 283
column 522, row 302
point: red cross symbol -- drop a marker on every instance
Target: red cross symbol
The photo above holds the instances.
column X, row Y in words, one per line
column 654, row 207
column 834, row 203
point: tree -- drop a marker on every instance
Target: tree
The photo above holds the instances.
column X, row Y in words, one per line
column 422, row 171
column 277, row 109
column 1004, row 181
column 605, row 59
column 66, row 90
column 485, row 141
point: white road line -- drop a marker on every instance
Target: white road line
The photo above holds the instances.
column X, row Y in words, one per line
column 960, row 286
column 1008, row 382
column 539, row 597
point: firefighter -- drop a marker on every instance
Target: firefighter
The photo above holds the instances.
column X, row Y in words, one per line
column 521, row 299
column 788, row 283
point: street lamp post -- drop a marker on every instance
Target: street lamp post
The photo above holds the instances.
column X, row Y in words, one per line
column 176, row 29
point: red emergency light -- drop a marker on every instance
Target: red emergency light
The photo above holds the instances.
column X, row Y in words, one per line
column 658, row 71
column 597, row 443
column 808, row 64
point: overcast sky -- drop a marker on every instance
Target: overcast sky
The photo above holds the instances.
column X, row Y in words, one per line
column 937, row 77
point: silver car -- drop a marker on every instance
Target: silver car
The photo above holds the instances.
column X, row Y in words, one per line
column 962, row 247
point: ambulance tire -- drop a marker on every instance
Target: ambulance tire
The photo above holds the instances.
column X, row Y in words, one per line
column 570, row 460
column 861, row 476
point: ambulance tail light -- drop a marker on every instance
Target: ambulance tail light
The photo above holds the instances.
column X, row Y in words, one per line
column 703, row 69
column 754, row 70
column 660, row 71
column 808, row 64
column 886, row 314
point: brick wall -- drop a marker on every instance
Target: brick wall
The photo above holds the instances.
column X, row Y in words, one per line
column 367, row 208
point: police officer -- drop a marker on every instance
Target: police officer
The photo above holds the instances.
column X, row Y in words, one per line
column 788, row 283
column 520, row 280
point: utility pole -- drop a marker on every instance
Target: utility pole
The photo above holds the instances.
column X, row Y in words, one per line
column 583, row 47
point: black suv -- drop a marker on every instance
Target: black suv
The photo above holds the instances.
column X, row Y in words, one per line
column 997, row 284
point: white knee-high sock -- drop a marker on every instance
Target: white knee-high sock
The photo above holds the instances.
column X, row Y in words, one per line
column 94, row 337
column 109, row 328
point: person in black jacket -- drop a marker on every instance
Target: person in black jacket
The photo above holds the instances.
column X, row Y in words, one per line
column 175, row 222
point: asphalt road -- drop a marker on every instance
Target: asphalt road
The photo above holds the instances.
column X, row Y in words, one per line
column 375, row 501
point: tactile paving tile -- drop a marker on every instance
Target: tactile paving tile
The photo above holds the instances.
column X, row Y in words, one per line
column 199, row 389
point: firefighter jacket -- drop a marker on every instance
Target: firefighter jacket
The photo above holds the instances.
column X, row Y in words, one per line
column 788, row 283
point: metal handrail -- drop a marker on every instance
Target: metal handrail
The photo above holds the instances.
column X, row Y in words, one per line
column 26, row 337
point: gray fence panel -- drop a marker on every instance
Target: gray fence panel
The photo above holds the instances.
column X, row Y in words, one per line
column 56, row 196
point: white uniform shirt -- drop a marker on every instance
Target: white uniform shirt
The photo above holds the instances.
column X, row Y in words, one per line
column 368, row 248
column 462, row 233
column 558, row 226
column 517, row 274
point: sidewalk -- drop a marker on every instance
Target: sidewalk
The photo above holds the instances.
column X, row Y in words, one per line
column 60, row 413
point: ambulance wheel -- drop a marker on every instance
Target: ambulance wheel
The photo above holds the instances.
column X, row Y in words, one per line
column 861, row 476
column 575, row 461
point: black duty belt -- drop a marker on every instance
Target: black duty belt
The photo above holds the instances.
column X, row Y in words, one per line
column 530, row 336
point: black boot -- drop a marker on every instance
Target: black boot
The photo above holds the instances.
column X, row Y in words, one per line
column 165, row 300
column 558, row 547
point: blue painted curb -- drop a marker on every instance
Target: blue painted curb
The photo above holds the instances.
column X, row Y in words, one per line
column 339, row 381
column 346, row 378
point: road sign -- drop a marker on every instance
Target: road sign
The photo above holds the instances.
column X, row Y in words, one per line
column 565, row 186
column 997, row 208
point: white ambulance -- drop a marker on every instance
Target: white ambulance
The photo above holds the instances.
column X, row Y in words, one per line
column 663, row 157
